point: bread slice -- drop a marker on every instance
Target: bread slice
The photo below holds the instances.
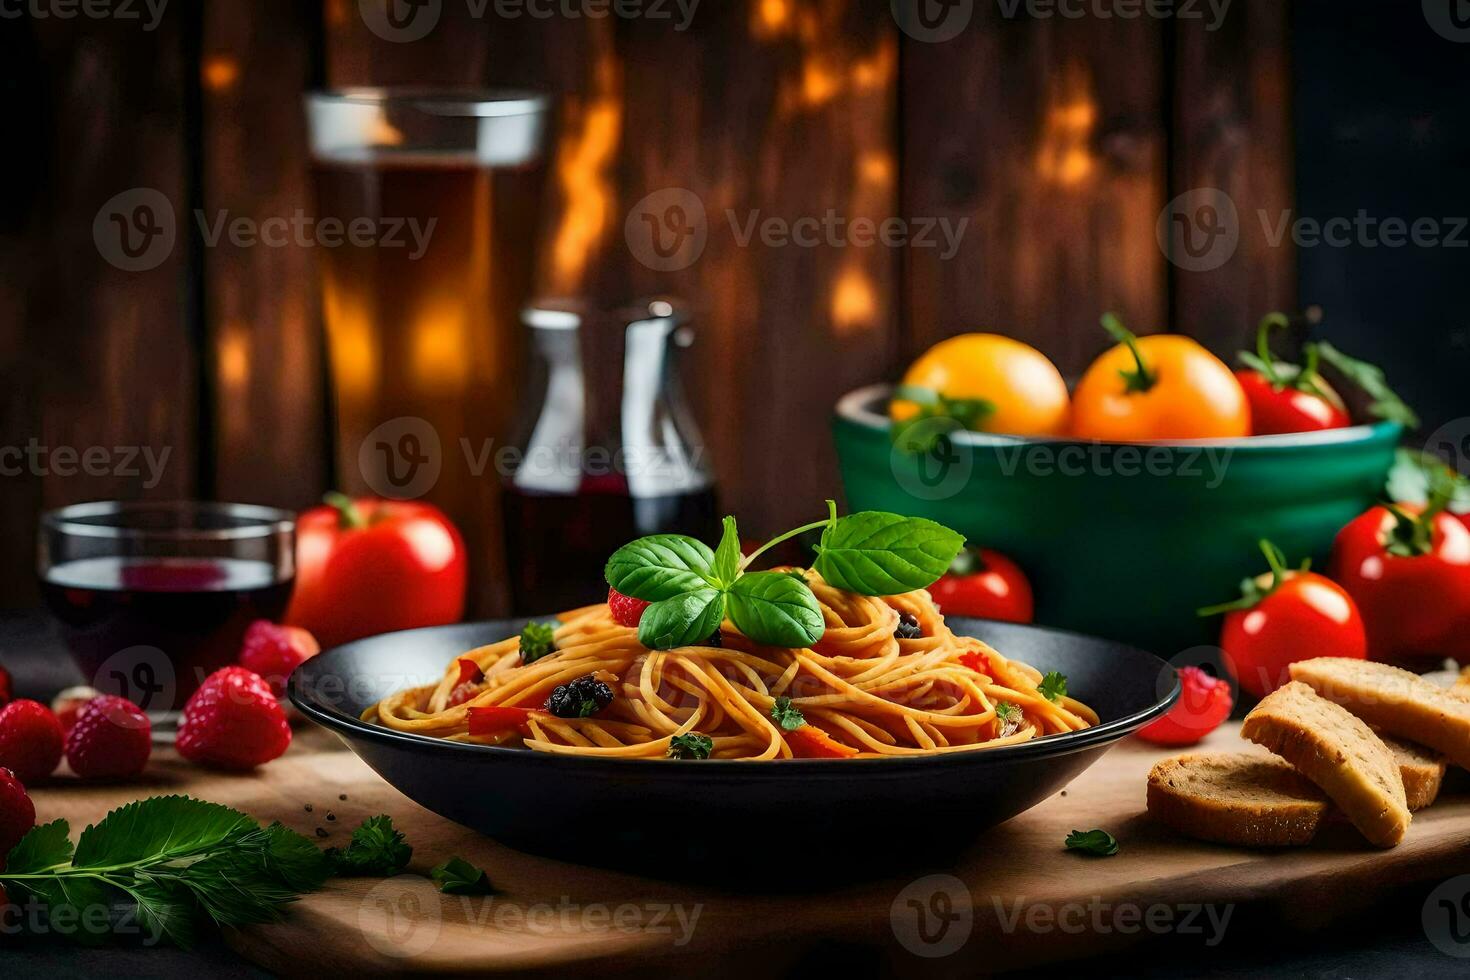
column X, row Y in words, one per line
column 1251, row 800
column 1462, row 684
column 1421, row 769
column 1339, row 753
column 1397, row 701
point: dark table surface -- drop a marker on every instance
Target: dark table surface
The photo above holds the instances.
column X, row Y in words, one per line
column 1389, row 943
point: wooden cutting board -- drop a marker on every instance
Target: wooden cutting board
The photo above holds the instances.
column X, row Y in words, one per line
column 1017, row 898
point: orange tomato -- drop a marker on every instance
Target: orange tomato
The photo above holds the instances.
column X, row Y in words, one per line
column 1163, row 386
column 1025, row 389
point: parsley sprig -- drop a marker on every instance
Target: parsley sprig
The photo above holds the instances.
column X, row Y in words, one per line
column 693, row 588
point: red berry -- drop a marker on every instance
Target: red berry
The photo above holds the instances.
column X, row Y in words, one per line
column 112, row 739
column 68, row 704
column 17, row 814
column 274, row 651
column 7, row 687
column 1204, row 703
column 30, row 740
column 233, row 721
column 626, row 610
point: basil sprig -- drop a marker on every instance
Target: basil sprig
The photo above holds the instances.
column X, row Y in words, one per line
column 692, row 589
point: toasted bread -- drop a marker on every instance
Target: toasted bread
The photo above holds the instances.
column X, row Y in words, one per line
column 1422, row 770
column 1462, row 684
column 1338, row 752
column 1397, row 701
column 1251, row 800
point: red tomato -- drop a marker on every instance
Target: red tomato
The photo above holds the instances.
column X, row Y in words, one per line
column 1204, row 704
column 494, row 719
column 365, row 567
column 1307, row 615
column 1286, row 409
column 1408, row 569
column 810, row 742
column 985, row 584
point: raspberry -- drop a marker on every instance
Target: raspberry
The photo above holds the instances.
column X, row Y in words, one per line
column 626, row 610
column 112, row 739
column 1204, row 704
column 17, row 813
column 274, row 651
column 69, row 703
column 30, row 740
column 233, row 722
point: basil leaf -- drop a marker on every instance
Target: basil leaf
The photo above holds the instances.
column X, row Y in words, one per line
column 875, row 553
column 775, row 609
column 727, row 555
column 661, row 566
column 1098, row 843
column 681, row 620
column 458, row 877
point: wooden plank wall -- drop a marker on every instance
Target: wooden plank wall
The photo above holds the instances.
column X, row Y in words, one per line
column 1057, row 141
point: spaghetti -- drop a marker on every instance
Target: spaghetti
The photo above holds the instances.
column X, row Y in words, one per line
column 859, row 691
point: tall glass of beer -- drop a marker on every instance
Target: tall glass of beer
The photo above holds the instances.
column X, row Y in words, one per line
column 432, row 199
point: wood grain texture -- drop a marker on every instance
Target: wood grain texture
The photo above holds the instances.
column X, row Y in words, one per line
column 1048, row 137
column 103, row 358
column 1232, row 131
column 550, row 918
column 767, row 111
column 261, row 303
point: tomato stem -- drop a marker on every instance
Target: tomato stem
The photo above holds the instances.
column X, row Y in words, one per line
column 1263, row 347
column 1252, row 594
column 1141, row 379
column 348, row 514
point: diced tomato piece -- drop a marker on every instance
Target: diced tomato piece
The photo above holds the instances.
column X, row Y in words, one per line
column 810, row 742
column 469, row 672
column 976, row 661
column 495, row 718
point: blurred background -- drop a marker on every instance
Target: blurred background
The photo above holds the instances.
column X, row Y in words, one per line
column 1049, row 143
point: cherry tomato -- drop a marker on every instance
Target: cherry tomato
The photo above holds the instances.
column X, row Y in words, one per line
column 365, row 567
column 1287, row 615
column 1204, row 704
column 1285, row 397
column 987, row 585
column 1024, row 390
column 1408, row 569
column 1164, row 386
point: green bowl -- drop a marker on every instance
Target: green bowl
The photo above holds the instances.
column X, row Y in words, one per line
column 1123, row 540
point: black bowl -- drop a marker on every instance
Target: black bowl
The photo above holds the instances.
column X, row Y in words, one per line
column 686, row 819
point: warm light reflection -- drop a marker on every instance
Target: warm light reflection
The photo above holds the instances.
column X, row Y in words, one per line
column 440, row 346
column 1064, row 154
column 234, row 357
column 354, row 350
column 876, row 167
column 771, row 17
column 219, row 72
column 593, row 131
column 854, row 301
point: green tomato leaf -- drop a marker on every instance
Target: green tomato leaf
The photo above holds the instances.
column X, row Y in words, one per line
column 775, row 609
column 876, row 553
column 682, row 620
column 661, row 566
column 1369, row 377
column 727, row 555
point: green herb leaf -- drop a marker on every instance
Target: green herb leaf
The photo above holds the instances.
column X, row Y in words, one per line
column 682, row 620
column 376, row 850
column 537, row 640
column 1386, row 404
column 1416, row 475
column 1053, row 686
column 727, row 555
column 458, row 877
column 165, row 910
column 156, row 829
column 876, row 553
column 776, row 610
column 661, row 567
column 787, row 715
column 1010, row 717
column 1098, row 843
column 691, row 746
column 43, row 847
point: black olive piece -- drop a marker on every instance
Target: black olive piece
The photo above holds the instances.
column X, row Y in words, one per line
column 908, row 627
column 579, row 698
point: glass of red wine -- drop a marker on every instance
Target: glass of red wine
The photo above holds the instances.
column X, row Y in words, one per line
column 153, row 597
